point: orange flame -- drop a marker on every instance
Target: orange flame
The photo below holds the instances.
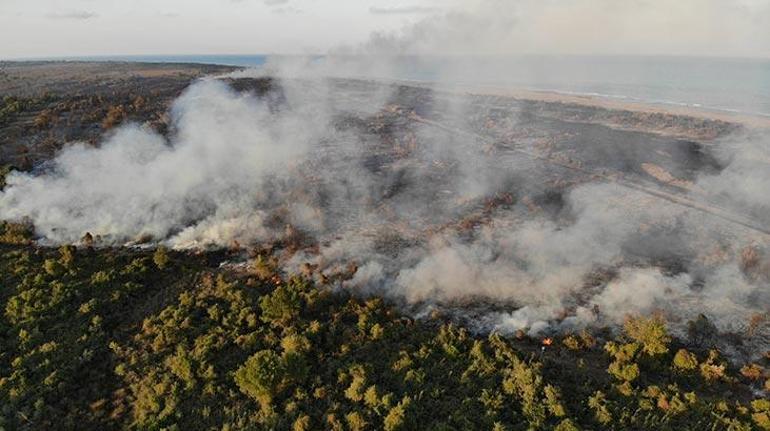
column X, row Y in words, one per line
column 547, row 341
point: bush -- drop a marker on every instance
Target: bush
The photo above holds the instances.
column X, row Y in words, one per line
column 571, row 342
column 261, row 376
column 566, row 425
column 302, row 423
column 650, row 332
column 761, row 413
column 396, row 417
column 100, row 278
column 355, row 392
column 264, row 268
column 624, row 371
column 294, row 343
column 713, row 368
column 752, row 372
column 160, row 257
column 553, row 401
column 45, row 119
column 598, row 403
column 356, row 421
column 685, row 361
column 525, row 382
column 284, row 303
column 53, row 267
column 115, row 116
column 67, row 256
column 16, row 233
column 622, row 352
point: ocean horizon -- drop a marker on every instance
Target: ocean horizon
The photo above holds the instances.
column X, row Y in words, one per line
column 733, row 85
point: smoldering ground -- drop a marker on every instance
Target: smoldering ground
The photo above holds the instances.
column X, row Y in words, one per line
column 427, row 202
column 436, row 199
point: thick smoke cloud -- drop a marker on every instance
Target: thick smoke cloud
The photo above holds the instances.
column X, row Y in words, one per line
column 199, row 188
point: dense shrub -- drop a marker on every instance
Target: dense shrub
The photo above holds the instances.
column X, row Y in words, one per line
column 123, row 339
column 685, row 361
column 261, row 376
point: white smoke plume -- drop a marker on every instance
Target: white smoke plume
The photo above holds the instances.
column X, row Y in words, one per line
column 200, row 188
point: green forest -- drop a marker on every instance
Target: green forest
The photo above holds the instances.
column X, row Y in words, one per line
column 155, row 339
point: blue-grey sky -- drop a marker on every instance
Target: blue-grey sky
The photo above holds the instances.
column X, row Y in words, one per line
column 33, row 28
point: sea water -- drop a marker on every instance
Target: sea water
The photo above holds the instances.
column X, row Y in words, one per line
column 720, row 84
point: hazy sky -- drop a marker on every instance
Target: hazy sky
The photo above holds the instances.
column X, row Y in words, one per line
column 30, row 28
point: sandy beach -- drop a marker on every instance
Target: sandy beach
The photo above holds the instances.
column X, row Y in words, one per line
column 746, row 120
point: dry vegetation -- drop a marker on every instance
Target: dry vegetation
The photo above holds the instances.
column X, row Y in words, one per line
column 130, row 339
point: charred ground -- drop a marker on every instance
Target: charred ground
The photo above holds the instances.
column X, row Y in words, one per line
column 48, row 104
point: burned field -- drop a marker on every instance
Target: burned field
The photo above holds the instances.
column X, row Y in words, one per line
column 48, row 104
column 391, row 182
column 454, row 172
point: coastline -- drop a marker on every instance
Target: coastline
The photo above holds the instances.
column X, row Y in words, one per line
column 617, row 104
column 556, row 100
column 688, row 123
column 609, row 103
